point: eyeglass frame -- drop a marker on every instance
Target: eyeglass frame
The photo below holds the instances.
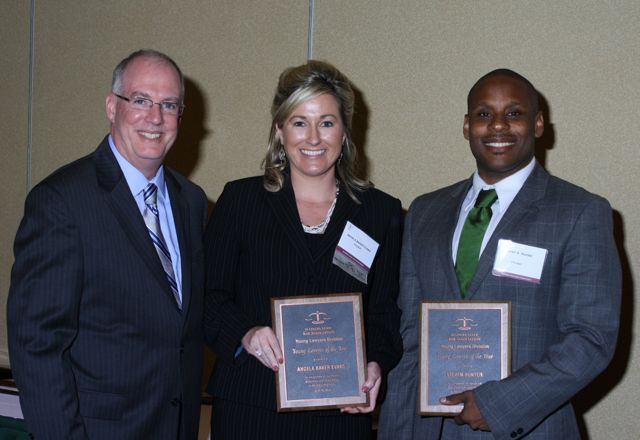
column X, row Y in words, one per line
column 181, row 107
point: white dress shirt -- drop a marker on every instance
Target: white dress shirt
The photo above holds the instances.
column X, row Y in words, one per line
column 137, row 182
column 507, row 189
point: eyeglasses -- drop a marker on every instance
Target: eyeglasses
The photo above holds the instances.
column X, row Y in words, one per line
column 142, row 103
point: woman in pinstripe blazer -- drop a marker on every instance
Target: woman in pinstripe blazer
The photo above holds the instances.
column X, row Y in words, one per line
column 275, row 235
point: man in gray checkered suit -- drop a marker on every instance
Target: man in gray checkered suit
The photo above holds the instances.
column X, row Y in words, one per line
column 564, row 290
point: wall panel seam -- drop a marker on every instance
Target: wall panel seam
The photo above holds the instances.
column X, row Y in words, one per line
column 32, row 31
column 312, row 7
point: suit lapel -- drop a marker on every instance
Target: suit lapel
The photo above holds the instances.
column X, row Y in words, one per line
column 345, row 209
column 121, row 202
column 181, row 220
column 285, row 211
column 432, row 237
column 524, row 204
column 458, row 194
column 449, row 221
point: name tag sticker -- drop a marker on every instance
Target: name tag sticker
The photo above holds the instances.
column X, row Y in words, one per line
column 355, row 252
column 519, row 261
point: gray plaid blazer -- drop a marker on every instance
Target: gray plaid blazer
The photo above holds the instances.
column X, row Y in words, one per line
column 564, row 329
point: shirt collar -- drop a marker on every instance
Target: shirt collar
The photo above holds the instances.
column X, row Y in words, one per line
column 507, row 188
column 135, row 179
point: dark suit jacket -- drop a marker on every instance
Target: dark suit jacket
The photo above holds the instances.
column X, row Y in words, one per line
column 98, row 346
column 256, row 249
column 563, row 330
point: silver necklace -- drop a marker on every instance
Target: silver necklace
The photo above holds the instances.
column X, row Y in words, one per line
column 321, row 227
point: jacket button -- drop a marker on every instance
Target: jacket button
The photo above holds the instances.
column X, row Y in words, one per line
column 514, row 434
column 519, row 431
column 175, row 401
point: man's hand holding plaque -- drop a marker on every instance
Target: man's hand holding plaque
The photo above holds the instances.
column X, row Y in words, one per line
column 463, row 344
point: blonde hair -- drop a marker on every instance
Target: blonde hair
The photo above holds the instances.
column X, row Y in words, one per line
column 295, row 86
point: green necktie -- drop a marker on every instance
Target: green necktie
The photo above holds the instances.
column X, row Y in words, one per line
column 471, row 238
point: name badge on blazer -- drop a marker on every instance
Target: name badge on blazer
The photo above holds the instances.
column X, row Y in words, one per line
column 355, row 252
column 519, row 261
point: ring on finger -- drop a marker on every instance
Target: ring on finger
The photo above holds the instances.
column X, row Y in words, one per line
column 258, row 353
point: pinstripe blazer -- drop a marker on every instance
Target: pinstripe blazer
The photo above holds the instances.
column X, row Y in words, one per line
column 98, row 346
column 563, row 330
column 256, row 249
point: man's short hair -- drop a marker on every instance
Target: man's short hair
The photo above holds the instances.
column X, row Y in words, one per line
column 533, row 93
column 118, row 72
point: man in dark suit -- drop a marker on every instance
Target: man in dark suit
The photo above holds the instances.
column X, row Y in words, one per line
column 105, row 307
column 564, row 320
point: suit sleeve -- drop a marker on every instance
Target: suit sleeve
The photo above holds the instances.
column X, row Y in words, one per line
column 224, row 322
column 384, row 344
column 399, row 408
column 42, row 315
column 588, row 301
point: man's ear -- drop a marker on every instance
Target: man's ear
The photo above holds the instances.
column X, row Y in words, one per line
column 539, row 124
column 465, row 127
column 110, row 106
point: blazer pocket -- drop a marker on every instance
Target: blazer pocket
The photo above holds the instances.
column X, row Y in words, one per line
column 106, row 406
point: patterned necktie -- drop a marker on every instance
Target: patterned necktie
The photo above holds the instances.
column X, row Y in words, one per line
column 471, row 238
column 152, row 220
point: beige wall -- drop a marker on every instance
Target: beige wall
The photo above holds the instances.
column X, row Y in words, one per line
column 412, row 62
column 14, row 74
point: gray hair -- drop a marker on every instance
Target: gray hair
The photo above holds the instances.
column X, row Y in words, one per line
column 118, row 72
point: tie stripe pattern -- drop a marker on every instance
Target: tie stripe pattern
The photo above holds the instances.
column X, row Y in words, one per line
column 152, row 220
column 471, row 238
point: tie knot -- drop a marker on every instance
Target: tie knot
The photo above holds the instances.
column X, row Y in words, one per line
column 150, row 194
column 486, row 198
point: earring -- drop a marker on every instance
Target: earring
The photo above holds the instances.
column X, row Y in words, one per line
column 340, row 158
column 282, row 157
